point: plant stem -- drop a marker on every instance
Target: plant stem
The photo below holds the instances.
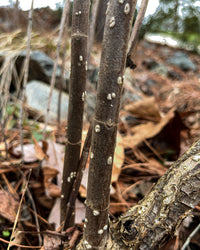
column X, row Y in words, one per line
column 26, row 69
column 135, row 34
column 76, row 98
column 94, row 10
column 77, row 183
column 53, row 78
column 111, row 76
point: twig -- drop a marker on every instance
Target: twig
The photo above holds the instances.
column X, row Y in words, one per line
column 135, row 35
column 95, row 6
column 62, row 74
column 18, row 245
column 35, row 215
column 82, row 164
column 25, row 76
column 4, row 138
column 53, row 78
column 190, row 237
column 19, row 209
column 74, row 238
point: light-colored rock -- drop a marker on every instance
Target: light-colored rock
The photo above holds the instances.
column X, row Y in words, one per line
column 37, row 94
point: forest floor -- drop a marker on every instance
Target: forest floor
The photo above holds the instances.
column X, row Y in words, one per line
column 159, row 120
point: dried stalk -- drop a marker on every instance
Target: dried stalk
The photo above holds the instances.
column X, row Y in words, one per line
column 62, row 74
column 111, row 76
column 53, row 78
column 195, row 231
column 12, row 237
column 135, row 34
column 76, row 98
column 93, row 18
column 26, row 69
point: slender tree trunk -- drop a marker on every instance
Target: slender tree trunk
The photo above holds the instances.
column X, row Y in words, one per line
column 76, row 98
column 111, row 76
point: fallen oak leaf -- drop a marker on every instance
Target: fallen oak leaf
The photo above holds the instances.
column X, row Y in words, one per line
column 39, row 151
column 146, row 131
column 51, row 189
column 146, row 108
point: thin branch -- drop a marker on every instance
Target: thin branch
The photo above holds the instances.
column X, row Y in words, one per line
column 35, row 215
column 18, row 245
column 135, row 35
column 53, row 78
column 26, row 69
column 77, row 183
column 19, row 210
column 93, row 18
column 62, row 73
column 187, row 242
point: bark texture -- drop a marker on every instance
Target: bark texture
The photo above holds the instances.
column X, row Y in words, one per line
column 76, row 98
column 154, row 220
column 111, row 76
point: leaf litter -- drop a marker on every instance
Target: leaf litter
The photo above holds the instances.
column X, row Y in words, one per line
column 153, row 132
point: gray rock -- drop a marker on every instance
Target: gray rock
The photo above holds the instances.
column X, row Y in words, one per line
column 181, row 60
column 37, row 94
column 90, row 105
column 161, row 69
column 131, row 83
column 93, row 74
column 40, row 68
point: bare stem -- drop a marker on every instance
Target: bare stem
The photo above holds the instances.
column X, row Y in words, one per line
column 53, row 78
column 111, row 76
column 93, row 18
column 77, row 96
column 77, row 183
column 26, row 69
column 135, row 34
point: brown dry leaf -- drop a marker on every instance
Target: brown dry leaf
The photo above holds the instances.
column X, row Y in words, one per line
column 146, row 131
column 8, row 206
column 146, row 108
column 118, row 159
column 56, row 158
column 51, row 189
column 39, row 151
column 17, row 236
